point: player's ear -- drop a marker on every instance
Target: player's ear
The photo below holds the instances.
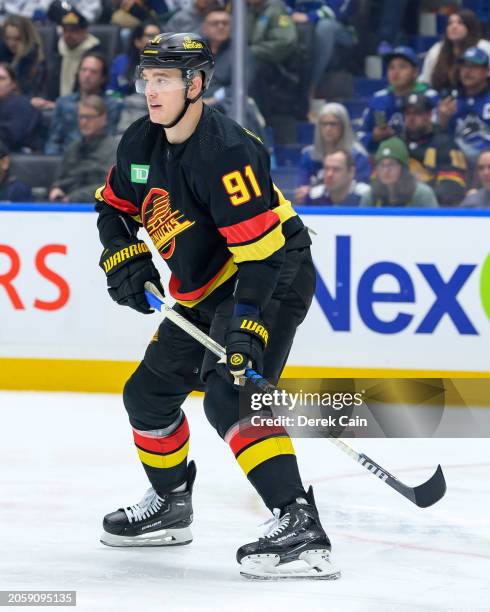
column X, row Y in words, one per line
column 197, row 84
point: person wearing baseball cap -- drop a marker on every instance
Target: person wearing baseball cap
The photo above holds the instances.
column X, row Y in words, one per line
column 384, row 116
column 394, row 185
column 435, row 158
column 466, row 112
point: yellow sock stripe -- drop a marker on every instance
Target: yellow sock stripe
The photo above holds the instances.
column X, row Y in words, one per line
column 266, row 449
column 164, row 461
column 261, row 249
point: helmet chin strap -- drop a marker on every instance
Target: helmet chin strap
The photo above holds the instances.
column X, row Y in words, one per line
column 187, row 102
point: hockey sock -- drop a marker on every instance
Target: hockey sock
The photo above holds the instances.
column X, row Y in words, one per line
column 267, row 457
column 163, row 453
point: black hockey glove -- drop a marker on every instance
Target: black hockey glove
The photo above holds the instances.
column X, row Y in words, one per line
column 245, row 341
column 128, row 266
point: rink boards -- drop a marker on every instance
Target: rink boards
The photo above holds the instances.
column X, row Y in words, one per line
column 399, row 293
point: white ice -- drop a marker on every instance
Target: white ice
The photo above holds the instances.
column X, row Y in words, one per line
column 68, row 459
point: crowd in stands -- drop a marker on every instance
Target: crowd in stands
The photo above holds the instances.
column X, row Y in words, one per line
column 421, row 137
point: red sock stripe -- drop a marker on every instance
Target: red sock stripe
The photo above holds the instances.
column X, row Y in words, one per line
column 165, row 444
column 241, row 436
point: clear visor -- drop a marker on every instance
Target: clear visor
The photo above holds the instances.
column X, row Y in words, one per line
column 157, row 81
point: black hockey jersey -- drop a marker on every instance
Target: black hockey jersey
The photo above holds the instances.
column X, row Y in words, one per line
column 208, row 204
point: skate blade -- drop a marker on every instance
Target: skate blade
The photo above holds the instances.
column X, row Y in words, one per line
column 311, row 565
column 164, row 537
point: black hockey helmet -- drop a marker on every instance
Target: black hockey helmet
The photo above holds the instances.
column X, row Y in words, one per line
column 187, row 51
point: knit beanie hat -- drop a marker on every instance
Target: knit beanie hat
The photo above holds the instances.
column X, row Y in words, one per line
column 393, row 148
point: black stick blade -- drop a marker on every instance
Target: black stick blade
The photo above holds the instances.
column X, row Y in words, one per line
column 432, row 491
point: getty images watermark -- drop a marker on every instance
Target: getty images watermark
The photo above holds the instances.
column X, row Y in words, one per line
column 370, row 408
column 307, row 409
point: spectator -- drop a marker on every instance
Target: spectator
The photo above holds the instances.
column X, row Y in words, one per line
column 480, row 198
column 92, row 78
column 467, row 113
column 19, row 120
column 130, row 13
column 32, row 9
column 216, row 28
column 21, row 47
column 440, row 64
column 121, row 80
column 190, row 19
column 383, row 117
column 11, row 188
column 339, row 187
column 391, row 21
column 328, row 20
column 333, row 131
column 90, row 9
column 84, row 165
column 74, row 43
column 435, row 158
column 394, row 185
column 272, row 38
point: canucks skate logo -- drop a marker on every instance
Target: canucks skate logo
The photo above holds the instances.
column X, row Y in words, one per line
column 161, row 222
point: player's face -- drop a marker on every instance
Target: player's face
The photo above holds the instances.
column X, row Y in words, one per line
column 456, row 30
column 336, row 175
column 164, row 91
column 473, row 76
column 483, row 169
column 389, row 172
column 401, row 73
column 330, row 128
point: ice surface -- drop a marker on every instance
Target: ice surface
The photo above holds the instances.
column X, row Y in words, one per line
column 68, row 459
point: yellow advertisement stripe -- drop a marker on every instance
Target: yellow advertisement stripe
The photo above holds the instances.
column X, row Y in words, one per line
column 99, row 376
column 260, row 452
column 261, row 249
column 164, row 461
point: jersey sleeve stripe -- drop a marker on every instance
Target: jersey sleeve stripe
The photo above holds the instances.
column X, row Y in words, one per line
column 250, row 229
column 260, row 249
column 113, row 200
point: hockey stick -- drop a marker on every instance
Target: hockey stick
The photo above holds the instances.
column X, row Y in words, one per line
column 423, row 495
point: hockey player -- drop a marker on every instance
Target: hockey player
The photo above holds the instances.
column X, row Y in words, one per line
column 241, row 270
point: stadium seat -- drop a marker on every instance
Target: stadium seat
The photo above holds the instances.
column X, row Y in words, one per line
column 38, row 171
column 49, row 38
column 421, row 44
column 355, row 107
column 305, row 132
column 108, row 34
column 367, row 87
column 285, row 179
column 288, row 155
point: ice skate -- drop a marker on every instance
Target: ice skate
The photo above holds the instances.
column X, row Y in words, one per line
column 155, row 520
column 294, row 547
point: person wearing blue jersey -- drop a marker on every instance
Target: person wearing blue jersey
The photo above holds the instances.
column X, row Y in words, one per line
column 383, row 117
column 466, row 112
